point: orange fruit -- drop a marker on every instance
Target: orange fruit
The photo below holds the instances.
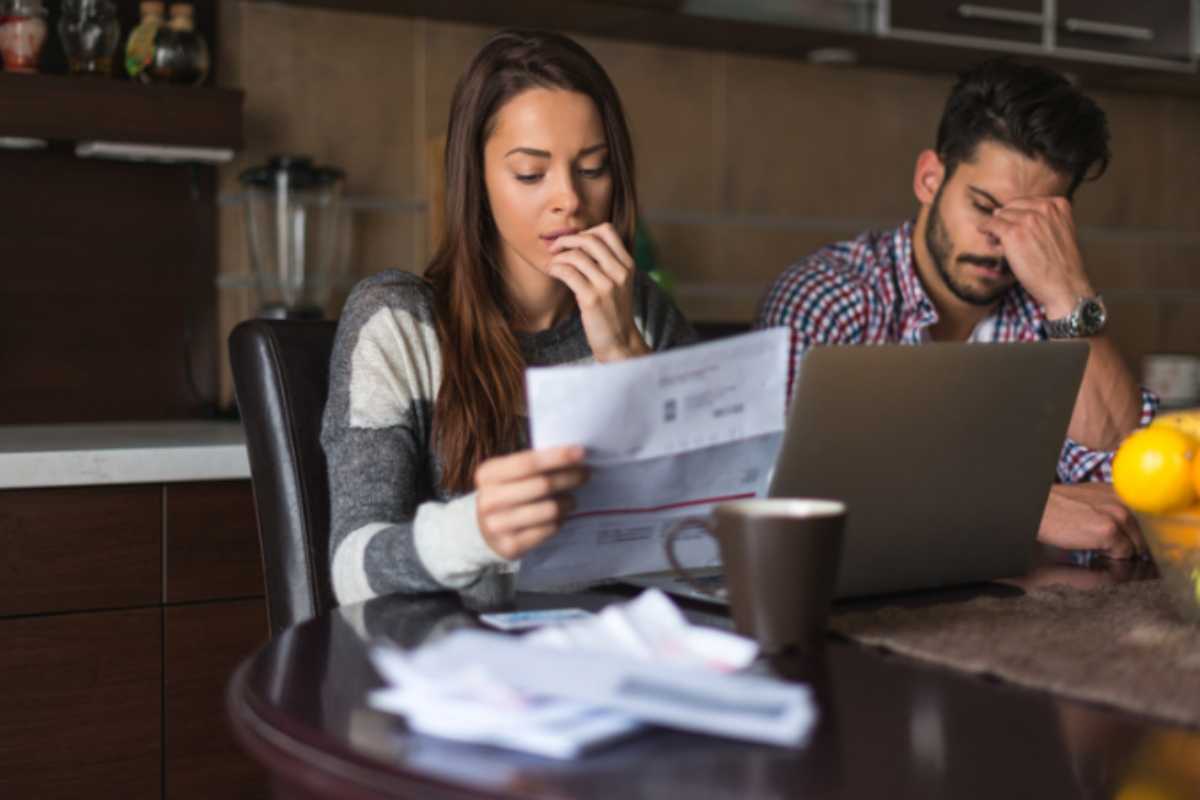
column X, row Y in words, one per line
column 1181, row 529
column 1155, row 469
column 1186, row 421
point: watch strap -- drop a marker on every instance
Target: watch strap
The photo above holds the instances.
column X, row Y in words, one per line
column 1077, row 323
column 1065, row 328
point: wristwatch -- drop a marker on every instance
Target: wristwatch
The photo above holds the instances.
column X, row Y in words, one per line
column 1087, row 319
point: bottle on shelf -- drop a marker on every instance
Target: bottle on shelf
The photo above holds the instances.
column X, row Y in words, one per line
column 140, row 48
column 90, row 32
column 22, row 34
column 181, row 54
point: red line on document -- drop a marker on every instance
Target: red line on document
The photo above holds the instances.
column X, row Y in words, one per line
column 652, row 509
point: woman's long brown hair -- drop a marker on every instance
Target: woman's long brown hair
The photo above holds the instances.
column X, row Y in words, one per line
column 479, row 406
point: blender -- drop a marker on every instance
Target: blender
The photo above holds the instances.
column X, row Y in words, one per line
column 294, row 229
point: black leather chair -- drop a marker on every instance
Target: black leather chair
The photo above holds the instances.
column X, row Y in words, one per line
column 281, row 377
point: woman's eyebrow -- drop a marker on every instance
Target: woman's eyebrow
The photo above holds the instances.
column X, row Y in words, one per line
column 529, row 151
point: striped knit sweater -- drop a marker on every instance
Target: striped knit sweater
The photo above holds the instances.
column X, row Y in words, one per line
column 393, row 527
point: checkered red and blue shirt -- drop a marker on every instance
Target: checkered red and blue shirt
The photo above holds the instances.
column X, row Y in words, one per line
column 866, row 291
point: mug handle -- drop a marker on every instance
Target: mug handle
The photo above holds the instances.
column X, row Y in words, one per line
column 683, row 572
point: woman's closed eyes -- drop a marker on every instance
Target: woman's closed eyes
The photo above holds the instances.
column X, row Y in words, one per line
column 590, row 173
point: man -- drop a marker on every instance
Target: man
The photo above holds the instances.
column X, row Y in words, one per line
column 992, row 257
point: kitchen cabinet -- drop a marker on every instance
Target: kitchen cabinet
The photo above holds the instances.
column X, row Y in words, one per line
column 1021, row 21
column 80, row 714
column 1095, row 30
column 1160, row 29
column 846, row 15
column 100, row 241
column 927, row 35
column 123, row 611
column 72, row 548
column 202, row 645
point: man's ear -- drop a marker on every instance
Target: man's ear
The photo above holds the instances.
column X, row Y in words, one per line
column 928, row 176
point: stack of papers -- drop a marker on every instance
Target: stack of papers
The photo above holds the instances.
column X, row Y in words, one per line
column 564, row 689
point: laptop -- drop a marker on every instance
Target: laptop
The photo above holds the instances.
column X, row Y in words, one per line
column 944, row 454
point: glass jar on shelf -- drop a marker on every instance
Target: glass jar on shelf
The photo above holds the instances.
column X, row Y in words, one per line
column 181, row 54
column 22, row 34
column 90, row 32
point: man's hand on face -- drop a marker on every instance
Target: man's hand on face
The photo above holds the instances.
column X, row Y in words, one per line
column 1088, row 516
column 1038, row 238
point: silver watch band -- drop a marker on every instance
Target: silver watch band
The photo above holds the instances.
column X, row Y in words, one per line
column 1088, row 318
column 1065, row 328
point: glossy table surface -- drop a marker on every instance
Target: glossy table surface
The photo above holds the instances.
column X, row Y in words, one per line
column 889, row 727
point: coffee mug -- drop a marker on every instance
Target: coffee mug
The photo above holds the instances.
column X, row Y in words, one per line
column 780, row 559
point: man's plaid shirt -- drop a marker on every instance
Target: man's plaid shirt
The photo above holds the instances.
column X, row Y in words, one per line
column 866, row 291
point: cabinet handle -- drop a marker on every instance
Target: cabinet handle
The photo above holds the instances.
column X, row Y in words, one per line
column 993, row 14
column 1075, row 25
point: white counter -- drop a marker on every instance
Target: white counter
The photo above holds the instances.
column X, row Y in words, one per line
column 126, row 452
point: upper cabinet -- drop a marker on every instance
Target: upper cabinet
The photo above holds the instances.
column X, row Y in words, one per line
column 1146, row 46
column 1157, row 28
column 998, row 20
column 1147, row 34
column 846, row 15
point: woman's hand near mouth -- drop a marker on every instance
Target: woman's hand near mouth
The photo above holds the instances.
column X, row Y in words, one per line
column 598, row 270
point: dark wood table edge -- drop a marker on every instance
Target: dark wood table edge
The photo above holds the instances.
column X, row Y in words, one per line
column 297, row 764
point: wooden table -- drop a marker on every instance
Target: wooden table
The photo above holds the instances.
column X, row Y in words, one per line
column 889, row 727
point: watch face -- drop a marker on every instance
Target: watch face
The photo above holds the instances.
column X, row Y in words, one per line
column 1091, row 316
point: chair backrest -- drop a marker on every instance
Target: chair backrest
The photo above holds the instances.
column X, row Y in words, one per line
column 281, row 377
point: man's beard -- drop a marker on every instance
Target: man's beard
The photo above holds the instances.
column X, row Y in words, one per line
column 937, row 241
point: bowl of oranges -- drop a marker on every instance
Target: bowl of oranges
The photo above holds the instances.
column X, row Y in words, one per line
column 1156, row 472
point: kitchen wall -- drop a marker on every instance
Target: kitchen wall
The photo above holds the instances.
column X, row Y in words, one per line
column 744, row 164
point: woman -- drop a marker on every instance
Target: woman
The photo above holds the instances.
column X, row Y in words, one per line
column 432, row 485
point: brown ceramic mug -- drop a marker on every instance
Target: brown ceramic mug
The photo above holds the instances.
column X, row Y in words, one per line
column 780, row 557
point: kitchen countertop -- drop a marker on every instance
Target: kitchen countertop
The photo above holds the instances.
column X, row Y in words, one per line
column 34, row 456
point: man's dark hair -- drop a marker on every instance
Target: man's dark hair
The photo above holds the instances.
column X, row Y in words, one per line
column 1033, row 110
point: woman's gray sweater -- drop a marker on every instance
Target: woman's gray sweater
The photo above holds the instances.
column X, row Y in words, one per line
column 393, row 528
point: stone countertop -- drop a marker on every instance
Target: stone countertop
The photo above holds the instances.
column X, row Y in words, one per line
column 33, row 456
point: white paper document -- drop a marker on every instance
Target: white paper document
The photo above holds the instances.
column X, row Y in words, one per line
column 568, row 688
column 668, row 436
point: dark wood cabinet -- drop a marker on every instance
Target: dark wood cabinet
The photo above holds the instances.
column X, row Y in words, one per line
column 1162, row 29
column 202, row 645
column 211, row 540
column 74, row 549
column 128, row 702
column 1096, row 30
column 1005, row 20
column 81, row 707
column 115, row 295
